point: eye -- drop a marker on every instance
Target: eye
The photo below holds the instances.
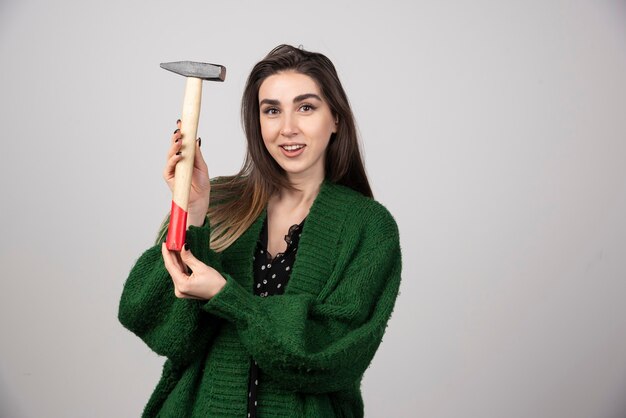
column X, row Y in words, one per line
column 306, row 107
column 270, row 111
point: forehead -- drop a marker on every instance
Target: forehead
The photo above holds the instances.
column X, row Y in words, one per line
column 287, row 85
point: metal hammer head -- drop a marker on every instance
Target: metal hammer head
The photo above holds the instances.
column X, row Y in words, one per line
column 201, row 70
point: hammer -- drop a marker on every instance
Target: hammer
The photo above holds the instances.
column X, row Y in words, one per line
column 195, row 73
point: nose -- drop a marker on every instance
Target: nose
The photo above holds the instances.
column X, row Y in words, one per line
column 289, row 128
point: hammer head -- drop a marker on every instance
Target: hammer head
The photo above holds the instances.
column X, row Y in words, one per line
column 201, row 70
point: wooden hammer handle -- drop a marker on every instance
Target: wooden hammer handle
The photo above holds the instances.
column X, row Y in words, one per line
column 184, row 168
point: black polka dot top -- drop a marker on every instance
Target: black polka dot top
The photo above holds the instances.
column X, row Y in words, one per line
column 271, row 275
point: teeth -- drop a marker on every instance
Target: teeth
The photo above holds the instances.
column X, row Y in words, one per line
column 292, row 147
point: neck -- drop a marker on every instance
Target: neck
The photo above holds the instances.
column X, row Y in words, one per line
column 303, row 197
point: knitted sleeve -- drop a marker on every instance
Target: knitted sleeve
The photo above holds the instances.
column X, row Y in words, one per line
column 172, row 327
column 310, row 345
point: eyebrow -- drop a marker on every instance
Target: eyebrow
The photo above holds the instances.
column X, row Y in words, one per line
column 273, row 102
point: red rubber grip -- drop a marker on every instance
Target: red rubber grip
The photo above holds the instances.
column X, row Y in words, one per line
column 177, row 228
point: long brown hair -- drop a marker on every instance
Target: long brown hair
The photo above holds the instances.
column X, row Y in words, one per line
column 237, row 201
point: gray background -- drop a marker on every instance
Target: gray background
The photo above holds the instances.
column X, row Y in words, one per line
column 494, row 131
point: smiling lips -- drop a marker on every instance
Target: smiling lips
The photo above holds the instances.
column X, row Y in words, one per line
column 292, row 150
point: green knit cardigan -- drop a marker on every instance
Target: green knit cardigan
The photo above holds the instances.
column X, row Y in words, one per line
column 312, row 344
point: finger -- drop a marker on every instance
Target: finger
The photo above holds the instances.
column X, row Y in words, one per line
column 181, row 266
column 171, row 265
column 176, row 269
column 177, row 135
column 174, row 148
column 170, row 166
column 189, row 259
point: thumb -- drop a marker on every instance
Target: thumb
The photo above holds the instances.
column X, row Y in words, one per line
column 188, row 258
column 198, row 158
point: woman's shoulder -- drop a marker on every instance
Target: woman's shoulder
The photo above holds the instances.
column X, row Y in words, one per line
column 363, row 212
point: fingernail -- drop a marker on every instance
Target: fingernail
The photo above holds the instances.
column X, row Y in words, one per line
column 178, row 153
column 199, row 142
column 186, row 247
column 176, row 141
column 178, row 121
column 177, row 131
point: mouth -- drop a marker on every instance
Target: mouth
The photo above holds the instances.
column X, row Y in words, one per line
column 292, row 150
column 294, row 147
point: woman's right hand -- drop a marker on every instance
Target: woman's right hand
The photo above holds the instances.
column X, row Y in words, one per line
column 200, row 184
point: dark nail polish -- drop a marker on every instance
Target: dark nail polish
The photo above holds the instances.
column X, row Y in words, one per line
column 176, row 141
column 178, row 121
column 178, row 153
column 177, row 131
column 186, row 247
column 199, row 142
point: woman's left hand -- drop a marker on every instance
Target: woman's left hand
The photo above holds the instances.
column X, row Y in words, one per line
column 204, row 281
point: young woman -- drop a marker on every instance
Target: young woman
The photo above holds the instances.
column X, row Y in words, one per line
column 280, row 298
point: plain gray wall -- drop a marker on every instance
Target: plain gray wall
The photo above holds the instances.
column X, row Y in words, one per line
column 494, row 131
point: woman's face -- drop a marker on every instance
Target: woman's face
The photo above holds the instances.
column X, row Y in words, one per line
column 296, row 124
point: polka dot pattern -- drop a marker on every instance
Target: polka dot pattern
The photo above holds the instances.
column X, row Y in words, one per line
column 270, row 279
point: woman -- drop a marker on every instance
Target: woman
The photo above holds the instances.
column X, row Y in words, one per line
column 281, row 296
